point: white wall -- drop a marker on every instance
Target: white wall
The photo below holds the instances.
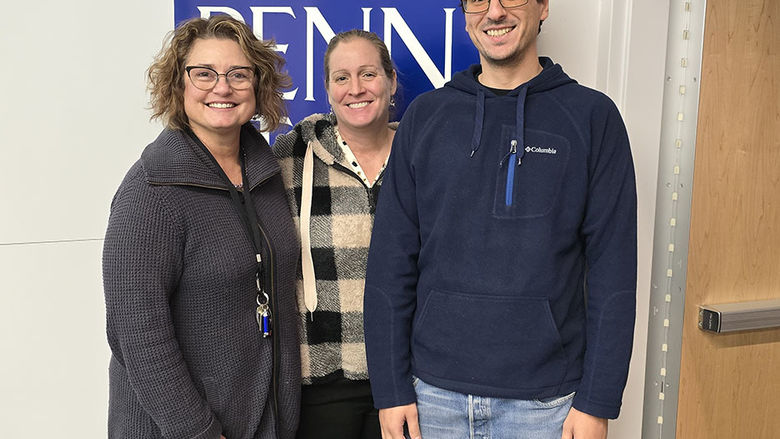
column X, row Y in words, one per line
column 73, row 119
column 619, row 47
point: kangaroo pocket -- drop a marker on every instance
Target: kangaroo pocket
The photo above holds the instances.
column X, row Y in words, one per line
column 490, row 341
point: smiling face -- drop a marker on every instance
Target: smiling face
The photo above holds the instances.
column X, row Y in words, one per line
column 507, row 36
column 358, row 88
column 219, row 112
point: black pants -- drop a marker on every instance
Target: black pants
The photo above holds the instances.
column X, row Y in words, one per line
column 342, row 410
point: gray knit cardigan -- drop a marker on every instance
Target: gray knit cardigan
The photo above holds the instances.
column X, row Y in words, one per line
column 187, row 359
column 342, row 215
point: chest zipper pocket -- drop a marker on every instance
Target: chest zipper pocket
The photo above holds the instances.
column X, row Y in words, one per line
column 510, row 171
column 527, row 186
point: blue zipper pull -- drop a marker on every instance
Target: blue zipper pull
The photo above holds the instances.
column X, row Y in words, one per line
column 263, row 314
column 510, row 172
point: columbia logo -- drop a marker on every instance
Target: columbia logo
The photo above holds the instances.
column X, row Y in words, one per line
column 539, row 150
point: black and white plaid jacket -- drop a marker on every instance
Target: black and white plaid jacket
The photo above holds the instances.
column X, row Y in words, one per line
column 342, row 215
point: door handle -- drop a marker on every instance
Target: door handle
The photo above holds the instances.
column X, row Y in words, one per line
column 740, row 316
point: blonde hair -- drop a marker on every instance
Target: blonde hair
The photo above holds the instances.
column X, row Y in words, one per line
column 379, row 45
column 166, row 75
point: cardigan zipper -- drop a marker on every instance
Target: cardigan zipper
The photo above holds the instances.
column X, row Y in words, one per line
column 275, row 348
column 275, row 343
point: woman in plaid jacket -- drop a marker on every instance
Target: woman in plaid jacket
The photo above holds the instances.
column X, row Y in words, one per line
column 332, row 166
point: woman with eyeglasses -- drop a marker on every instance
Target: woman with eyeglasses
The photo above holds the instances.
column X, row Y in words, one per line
column 333, row 166
column 200, row 253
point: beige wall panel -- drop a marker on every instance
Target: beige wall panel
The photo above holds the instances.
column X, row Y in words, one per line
column 54, row 368
column 730, row 382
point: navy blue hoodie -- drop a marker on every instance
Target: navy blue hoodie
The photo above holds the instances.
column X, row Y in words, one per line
column 498, row 216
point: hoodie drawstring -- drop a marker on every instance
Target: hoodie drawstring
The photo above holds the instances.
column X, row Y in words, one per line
column 520, row 125
column 519, row 140
column 479, row 117
column 307, row 261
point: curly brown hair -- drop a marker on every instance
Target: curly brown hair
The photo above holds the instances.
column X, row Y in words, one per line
column 166, row 75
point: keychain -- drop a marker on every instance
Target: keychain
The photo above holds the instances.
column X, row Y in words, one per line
column 263, row 316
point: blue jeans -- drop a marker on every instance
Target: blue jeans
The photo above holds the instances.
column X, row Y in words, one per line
column 444, row 414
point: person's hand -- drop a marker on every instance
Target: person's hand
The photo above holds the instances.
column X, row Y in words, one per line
column 579, row 425
column 392, row 421
column 222, row 437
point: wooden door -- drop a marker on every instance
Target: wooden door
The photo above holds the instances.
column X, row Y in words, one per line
column 730, row 383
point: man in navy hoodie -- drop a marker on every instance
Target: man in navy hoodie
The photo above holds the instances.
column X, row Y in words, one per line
column 501, row 286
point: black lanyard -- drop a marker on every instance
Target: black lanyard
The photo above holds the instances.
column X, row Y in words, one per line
column 246, row 211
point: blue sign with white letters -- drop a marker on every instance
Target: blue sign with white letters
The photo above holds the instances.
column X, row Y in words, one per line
column 426, row 39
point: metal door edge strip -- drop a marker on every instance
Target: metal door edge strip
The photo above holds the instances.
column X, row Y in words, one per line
column 672, row 219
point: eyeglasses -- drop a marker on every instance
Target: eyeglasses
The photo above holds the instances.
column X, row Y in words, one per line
column 480, row 6
column 206, row 78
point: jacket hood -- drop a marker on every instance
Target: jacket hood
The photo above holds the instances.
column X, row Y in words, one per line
column 552, row 76
column 317, row 132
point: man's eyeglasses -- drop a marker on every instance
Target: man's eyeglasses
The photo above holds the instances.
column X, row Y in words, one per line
column 480, row 6
column 206, row 78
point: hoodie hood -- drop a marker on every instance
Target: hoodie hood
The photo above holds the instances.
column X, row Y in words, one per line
column 551, row 76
